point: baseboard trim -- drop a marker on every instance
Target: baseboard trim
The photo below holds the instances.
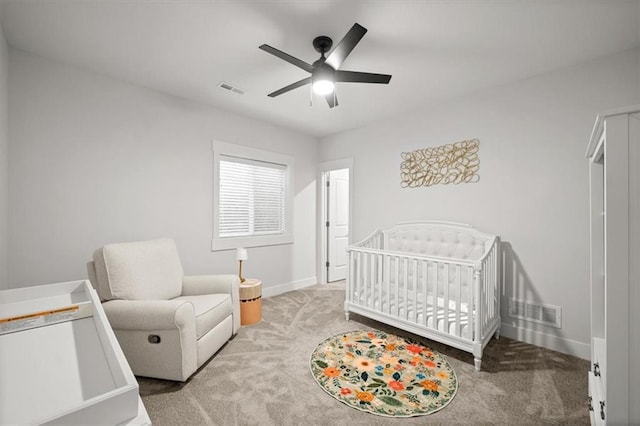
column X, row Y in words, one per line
column 555, row 343
column 286, row 287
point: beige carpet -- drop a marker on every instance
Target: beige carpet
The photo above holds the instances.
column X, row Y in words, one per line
column 262, row 377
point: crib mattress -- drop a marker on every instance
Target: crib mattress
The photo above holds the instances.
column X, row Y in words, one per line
column 416, row 312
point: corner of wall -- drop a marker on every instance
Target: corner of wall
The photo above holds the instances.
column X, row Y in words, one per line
column 4, row 158
column 638, row 71
column 638, row 52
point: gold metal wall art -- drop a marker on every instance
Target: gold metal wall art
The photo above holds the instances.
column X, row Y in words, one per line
column 453, row 163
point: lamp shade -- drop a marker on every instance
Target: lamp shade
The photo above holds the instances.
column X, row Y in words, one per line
column 241, row 254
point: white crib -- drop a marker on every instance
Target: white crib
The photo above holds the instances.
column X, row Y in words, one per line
column 435, row 279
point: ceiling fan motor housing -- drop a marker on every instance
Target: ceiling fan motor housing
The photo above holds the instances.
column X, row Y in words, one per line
column 322, row 44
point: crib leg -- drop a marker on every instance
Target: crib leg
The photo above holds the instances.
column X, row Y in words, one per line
column 346, row 315
column 477, row 362
column 477, row 355
column 497, row 334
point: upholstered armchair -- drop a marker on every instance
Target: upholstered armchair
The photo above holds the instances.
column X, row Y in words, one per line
column 167, row 324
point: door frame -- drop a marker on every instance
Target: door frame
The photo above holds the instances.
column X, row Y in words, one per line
column 323, row 171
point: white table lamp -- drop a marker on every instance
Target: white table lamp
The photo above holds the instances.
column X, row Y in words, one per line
column 241, row 254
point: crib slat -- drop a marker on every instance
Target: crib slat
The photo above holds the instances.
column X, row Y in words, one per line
column 485, row 295
column 486, row 282
column 434, row 300
column 486, row 303
column 379, row 279
column 372, row 279
column 405, row 282
column 483, row 302
column 477, row 278
column 414, row 263
column 396, row 291
column 483, row 289
column 446, row 297
column 496, row 285
column 366, row 283
column 487, row 285
column 352, row 276
column 471, row 311
column 425, row 289
column 490, row 292
column 458, row 306
column 358, row 280
column 361, row 280
column 485, row 312
column 387, row 279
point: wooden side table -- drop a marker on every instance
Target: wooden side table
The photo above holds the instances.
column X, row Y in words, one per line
column 250, row 301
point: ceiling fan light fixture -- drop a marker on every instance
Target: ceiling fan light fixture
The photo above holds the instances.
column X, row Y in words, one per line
column 323, row 87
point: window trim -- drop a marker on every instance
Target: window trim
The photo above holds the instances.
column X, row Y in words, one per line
column 227, row 243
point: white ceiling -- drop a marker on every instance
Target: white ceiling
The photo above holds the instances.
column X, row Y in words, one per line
column 435, row 50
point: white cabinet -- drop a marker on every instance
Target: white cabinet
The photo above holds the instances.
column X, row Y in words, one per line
column 614, row 162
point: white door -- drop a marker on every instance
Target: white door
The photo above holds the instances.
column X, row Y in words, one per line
column 338, row 226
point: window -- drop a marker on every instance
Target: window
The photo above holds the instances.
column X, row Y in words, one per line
column 252, row 197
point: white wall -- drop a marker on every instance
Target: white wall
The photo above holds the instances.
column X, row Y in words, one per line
column 95, row 160
column 4, row 153
column 533, row 188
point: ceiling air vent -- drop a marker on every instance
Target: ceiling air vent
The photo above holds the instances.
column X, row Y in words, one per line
column 231, row 88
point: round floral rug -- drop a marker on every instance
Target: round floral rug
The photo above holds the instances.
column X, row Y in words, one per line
column 383, row 374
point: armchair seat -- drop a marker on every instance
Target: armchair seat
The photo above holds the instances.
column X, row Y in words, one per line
column 167, row 324
column 210, row 310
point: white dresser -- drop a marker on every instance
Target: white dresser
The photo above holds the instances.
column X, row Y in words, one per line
column 614, row 160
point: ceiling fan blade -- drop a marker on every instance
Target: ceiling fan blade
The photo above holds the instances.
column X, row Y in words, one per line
column 291, row 87
column 346, row 45
column 361, row 77
column 286, row 57
column 332, row 99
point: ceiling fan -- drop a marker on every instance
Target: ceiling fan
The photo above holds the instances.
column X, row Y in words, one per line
column 325, row 72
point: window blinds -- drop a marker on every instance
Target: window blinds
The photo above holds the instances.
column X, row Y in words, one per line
column 252, row 197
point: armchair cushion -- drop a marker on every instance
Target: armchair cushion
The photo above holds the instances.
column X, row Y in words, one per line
column 205, row 284
column 210, row 310
column 146, row 270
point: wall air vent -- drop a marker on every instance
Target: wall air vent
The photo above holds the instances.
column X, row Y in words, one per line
column 231, row 88
column 527, row 310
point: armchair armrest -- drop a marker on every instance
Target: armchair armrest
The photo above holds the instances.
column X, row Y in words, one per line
column 149, row 314
column 209, row 284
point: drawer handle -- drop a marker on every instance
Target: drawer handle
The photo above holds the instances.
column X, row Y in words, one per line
column 602, row 410
column 596, row 369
